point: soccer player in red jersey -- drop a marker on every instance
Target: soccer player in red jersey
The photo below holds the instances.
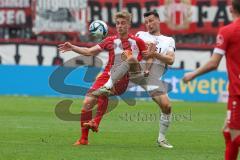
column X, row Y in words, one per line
column 115, row 45
column 228, row 44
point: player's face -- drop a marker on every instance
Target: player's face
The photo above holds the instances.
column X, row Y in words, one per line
column 152, row 24
column 122, row 26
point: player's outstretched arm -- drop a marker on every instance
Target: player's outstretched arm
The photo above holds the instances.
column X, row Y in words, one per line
column 67, row 46
column 212, row 64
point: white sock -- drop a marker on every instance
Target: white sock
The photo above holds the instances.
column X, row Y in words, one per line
column 109, row 83
column 165, row 120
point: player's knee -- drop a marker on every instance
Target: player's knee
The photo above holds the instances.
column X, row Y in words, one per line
column 167, row 109
column 85, row 101
column 165, row 106
column 88, row 103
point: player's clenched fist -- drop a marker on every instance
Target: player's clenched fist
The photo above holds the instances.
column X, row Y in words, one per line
column 151, row 50
column 151, row 47
column 67, row 46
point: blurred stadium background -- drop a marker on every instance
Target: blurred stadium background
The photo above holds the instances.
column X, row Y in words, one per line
column 30, row 31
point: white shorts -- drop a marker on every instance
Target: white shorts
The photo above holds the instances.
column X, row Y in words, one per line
column 153, row 82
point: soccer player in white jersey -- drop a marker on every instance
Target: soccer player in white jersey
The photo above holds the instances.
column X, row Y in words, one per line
column 163, row 56
column 162, row 52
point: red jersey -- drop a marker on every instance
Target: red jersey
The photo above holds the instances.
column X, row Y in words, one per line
column 228, row 44
column 115, row 47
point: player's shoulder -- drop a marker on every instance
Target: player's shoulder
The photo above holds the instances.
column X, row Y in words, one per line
column 167, row 38
column 141, row 33
column 110, row 38
column 107, row 40
column 135, row 37
column 145, row 36
column 227, row 28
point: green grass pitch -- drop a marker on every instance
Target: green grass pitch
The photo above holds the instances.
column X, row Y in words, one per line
column 30, row 130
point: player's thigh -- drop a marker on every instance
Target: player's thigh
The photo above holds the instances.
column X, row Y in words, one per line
column 121, row 85
column 139, row 79
column 90, row 100
column 100, row 81
column 134, row 64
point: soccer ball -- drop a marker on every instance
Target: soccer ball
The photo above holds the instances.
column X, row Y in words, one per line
column 98, row 29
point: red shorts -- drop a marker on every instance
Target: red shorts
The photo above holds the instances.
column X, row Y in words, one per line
column 119, row 87
column 233, row 114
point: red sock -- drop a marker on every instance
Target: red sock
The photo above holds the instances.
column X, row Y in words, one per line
column 85, row 132
column 101, row 109
column 235, row 148
column 86, row 116
column 227, row 137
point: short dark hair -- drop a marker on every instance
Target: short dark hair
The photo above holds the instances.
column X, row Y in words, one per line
column 149, row 13
column 236, row 5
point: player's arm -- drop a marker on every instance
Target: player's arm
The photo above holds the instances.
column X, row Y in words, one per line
column 145, row 49
column 168, row 58
column 148, row 66
column 212, row 64
column 67, row 46
column 151, row 47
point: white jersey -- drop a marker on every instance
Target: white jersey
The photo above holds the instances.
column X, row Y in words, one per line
column 163, row 43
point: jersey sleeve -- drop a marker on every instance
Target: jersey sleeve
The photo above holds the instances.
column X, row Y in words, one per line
column 146, row 38
column 138, row 34
column 106, row 44
column 142, row 47
column 171, row 47
column 221, row 42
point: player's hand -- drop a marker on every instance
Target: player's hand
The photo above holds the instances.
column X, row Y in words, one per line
column 188, row 77
column 151, row 47
column 152, row 55
column 65, row 47
column 146, row 73
column 147, row 55
column 150, row 52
